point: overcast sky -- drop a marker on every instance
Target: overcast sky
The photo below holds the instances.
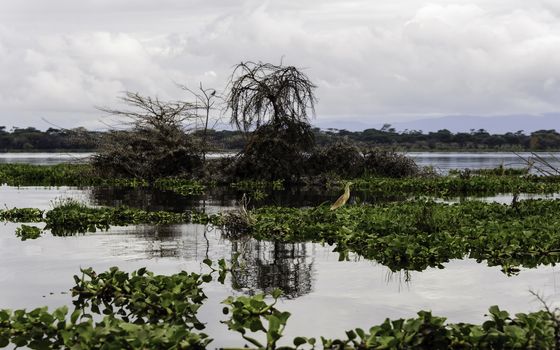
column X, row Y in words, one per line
column 373, row 61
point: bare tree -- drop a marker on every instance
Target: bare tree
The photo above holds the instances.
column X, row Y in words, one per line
column 151, row 112
column 273, row 103
column 154, row 141
column 206, row 102
column 263, row 93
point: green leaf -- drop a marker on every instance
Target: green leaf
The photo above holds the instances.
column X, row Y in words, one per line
column 276, row 293
column 4, row 341
column 60, row 313
column 298, row 341
column 75, row 315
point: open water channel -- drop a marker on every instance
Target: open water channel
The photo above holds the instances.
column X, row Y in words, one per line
column 325, row 296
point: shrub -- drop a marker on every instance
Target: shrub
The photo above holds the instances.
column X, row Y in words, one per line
column 342, row 158
column 155, row 146
column 390, row 164
column 274, row 153
column 147, row 154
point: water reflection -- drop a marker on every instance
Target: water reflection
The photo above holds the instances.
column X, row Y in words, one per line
column 216, row 198
column 144, row 198
column 182, row 242
column 265, row 266
column 222, row 198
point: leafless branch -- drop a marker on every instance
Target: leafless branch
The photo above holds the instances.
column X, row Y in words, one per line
column 151, row 112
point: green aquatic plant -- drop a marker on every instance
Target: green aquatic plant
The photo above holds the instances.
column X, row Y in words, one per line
column 248, row 314
column 74, row 217
column 70, row 217
column 50, row 175
column 258, row 189
column 445, row 186
column 83, row 175
column 21, row 215
column 141, row 297
column 501, row 170
column 41, row 329
column 141, row 311
column 523, row 331
column 411, row 235
column 28, row 232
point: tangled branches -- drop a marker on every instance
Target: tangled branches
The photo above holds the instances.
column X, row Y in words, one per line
column 263, row 93
column 155, row 144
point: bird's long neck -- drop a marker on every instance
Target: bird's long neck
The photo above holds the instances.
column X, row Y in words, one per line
column 347, row 190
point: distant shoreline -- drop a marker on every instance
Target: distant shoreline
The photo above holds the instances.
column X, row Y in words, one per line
column 232, row 152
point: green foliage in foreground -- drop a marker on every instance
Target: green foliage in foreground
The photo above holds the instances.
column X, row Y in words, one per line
column 142, row 311
column 524, row 331
column 146, row 311
column 416, row 235
column 141, row 297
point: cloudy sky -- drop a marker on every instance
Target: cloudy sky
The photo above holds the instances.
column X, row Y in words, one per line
column 373, row 61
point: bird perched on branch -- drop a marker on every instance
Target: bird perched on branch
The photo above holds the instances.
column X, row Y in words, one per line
column 342, row 199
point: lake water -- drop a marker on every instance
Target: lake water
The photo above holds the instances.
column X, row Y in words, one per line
column 43, row 158
column 445, row 161
column 441, row 161
column 325, row 296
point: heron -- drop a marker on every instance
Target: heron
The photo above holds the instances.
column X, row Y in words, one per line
column 343, row 198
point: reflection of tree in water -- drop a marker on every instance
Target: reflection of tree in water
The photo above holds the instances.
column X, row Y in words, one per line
column 222, row 198
column 402, row 278
column 143, row 198
column 187, row 241
column 265, row 266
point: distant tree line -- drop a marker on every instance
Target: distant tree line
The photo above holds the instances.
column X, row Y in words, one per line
column 80, row 139
column 444, row 139
column 32, row 139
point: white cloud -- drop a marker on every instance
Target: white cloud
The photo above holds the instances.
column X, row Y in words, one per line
column 372, row 61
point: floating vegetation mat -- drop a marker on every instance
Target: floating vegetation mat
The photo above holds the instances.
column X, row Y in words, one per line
column 72, row 217
column 416, row 235
column 461, row 183
column 81, row 175
column 452, row 185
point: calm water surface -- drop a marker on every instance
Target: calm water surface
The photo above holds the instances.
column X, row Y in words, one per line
column 44, row 158
column 51, row 158
column 325, row 296
column 443, row 161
